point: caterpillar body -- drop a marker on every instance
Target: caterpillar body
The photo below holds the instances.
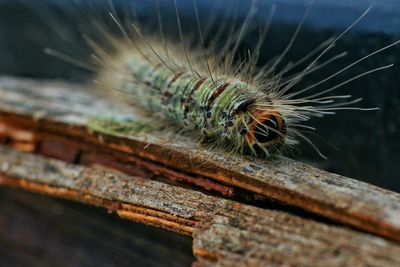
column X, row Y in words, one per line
column 202, row 91
column 238, row 115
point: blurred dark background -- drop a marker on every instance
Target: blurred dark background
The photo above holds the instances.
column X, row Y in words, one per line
column 367, row 144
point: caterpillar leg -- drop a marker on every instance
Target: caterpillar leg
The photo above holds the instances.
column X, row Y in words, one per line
column 119, row 125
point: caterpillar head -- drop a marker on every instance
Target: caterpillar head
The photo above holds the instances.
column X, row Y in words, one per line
column 266, row 132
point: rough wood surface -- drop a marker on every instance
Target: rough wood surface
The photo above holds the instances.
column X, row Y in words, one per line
column 51, row 118
column 225, row 232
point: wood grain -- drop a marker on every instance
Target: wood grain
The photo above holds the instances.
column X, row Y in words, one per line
column 51, row 118
column 225, row 232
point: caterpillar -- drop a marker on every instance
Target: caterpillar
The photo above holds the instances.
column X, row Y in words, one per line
column 210, row 91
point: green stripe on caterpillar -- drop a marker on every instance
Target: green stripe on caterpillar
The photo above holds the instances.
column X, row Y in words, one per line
column 204, row 92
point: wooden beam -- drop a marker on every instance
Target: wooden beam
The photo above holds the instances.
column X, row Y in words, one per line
column 51, row 118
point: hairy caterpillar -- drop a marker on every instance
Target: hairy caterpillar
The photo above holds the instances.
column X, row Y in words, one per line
column 206, row 91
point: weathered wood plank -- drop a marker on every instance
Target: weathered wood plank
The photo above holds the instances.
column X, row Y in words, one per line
column 38, row 110
column 225, row 232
